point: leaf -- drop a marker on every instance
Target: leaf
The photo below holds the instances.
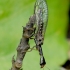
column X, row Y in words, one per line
column 14, row 14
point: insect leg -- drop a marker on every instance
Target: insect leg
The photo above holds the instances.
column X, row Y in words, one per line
column 33, row 33
column 31, row 49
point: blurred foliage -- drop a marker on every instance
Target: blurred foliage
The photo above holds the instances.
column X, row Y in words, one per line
column 14, row 14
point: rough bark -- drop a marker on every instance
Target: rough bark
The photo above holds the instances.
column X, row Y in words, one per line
column 23, row 46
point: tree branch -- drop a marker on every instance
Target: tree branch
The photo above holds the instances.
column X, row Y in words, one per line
column 23, row 46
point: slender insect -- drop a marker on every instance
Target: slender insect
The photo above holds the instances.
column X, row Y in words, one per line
column 41, row 23
column 41, row 5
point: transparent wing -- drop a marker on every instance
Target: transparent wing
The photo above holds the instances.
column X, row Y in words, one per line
column 41, row 4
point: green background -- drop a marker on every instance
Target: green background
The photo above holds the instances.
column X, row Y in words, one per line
column 14, row 14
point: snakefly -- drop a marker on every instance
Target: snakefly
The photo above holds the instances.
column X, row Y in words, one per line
column 41, row 5
column 40, row 10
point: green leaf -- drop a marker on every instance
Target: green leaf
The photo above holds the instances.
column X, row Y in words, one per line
column 14, row 14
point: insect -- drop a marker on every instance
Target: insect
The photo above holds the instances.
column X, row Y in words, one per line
column 41, row 11
column 41, row 22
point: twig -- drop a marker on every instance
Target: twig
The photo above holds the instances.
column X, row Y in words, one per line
column 23, row 46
